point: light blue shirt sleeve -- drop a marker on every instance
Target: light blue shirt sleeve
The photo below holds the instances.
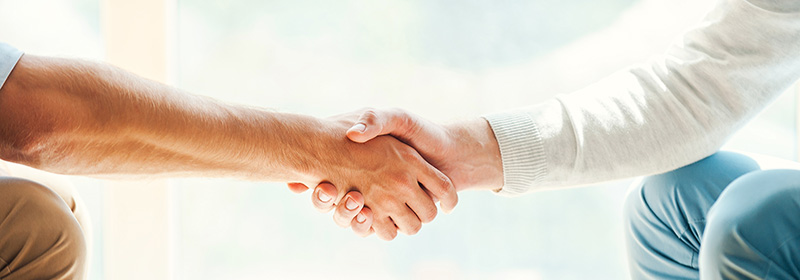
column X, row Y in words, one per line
column 8, row 59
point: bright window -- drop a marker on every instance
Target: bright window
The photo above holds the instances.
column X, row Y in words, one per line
column 441, row 59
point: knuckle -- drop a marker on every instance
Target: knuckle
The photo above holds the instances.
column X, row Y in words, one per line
column 386, row 234
column 356, row 194
column 442, row 183
column 369, row 116
column 360, row 232
column 442, row 189
column 386, row 229
column 362, row 228
column 414, row 228
column 341, row 218
column 428, row 216
column 445, row 181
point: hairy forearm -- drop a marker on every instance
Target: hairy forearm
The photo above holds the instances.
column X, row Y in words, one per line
column 77, row 117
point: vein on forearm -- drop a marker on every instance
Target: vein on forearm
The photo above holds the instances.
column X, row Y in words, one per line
column 86, row 118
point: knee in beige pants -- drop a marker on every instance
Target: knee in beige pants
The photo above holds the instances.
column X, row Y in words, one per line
column 40, row 237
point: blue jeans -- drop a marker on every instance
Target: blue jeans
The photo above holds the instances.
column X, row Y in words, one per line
column 718, row 218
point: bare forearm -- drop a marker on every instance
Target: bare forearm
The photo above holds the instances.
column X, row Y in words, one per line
column 86, row 118
column 479, row 158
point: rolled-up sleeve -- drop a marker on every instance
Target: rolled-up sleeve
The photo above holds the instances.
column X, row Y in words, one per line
column 8, row 59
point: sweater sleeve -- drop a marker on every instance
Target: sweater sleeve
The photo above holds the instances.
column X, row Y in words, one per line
column 676, row 109
column 8, row 59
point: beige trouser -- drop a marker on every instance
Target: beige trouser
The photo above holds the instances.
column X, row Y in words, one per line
column 44, row 228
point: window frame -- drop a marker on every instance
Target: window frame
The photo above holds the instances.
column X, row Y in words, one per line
column 137, row 215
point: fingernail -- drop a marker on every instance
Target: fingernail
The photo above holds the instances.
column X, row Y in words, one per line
column 323, row 196
column 360, row 218
column 351, row 204
column 360, row 127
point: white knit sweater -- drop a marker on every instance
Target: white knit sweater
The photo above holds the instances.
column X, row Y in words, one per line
column 655, row 117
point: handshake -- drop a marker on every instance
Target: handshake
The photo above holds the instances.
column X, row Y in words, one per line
column 384, row 170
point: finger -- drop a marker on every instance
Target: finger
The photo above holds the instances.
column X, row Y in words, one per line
column 439, row 185
column 323, row 195
column 297, row 187
column 384, row 228
column 347, row 210
column 408, row 128
column 423, row 205
column 362, row 223
column 406, row 221
column 433, row 197
column 373, row 123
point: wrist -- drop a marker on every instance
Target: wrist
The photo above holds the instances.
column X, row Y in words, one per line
column 479, row 152
column 307, row 149
column 278, row 147
column 312, row 147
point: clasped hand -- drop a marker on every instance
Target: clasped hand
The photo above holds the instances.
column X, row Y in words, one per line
column 394, row 170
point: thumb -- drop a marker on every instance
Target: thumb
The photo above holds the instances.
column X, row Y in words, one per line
column 359, row 133
column 412, row 130
column 374, row 123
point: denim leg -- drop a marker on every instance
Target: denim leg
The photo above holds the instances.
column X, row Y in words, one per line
column 665, row 215
column 753, row 230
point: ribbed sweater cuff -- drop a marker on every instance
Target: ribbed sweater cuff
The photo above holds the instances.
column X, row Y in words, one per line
column 521, row 150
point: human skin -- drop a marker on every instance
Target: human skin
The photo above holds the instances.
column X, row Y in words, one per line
column 75, row 117
column 466, row 151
